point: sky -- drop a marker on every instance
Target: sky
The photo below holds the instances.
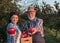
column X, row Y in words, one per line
column 26, row 3
column 51, row 2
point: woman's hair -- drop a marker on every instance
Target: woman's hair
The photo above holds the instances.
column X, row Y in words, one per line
column 13, row 13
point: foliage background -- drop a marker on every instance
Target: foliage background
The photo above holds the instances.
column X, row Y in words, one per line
column 51, row 19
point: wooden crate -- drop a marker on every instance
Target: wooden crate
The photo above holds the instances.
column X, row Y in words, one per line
column 26, row 40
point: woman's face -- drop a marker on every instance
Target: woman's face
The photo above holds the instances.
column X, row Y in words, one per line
column 14, row 19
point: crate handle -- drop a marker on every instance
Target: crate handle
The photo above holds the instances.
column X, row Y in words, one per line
column 26, row 40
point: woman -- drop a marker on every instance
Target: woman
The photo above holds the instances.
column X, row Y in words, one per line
column 14, row 37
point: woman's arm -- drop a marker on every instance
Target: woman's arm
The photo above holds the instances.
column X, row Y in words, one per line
column 9, row 38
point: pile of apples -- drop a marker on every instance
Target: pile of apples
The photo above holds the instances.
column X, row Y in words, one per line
column 25, row 34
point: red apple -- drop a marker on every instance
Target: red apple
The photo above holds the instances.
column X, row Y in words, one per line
column 25, row 35
column 23, row 32
column 31, row 30
column 11, row 31
column 28, row 35
column 22, row 36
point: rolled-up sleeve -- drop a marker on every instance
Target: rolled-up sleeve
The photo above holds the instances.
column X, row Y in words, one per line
column 41, row 28
column 9, row 38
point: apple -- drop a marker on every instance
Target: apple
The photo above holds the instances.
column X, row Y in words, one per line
column 11, row 31
column 24, row 35
column 28, row 35
column 31, row 30
column 23, row 32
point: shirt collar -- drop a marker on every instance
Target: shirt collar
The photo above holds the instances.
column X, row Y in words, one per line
column 33, row 20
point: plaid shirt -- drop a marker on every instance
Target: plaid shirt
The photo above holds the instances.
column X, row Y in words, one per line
column 35, row 23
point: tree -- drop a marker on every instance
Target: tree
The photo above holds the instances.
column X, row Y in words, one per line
column 51, row 19
column 5, row 8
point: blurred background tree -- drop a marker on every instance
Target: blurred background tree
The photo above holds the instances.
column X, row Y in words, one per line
column 6, row 6
column 50, row 15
